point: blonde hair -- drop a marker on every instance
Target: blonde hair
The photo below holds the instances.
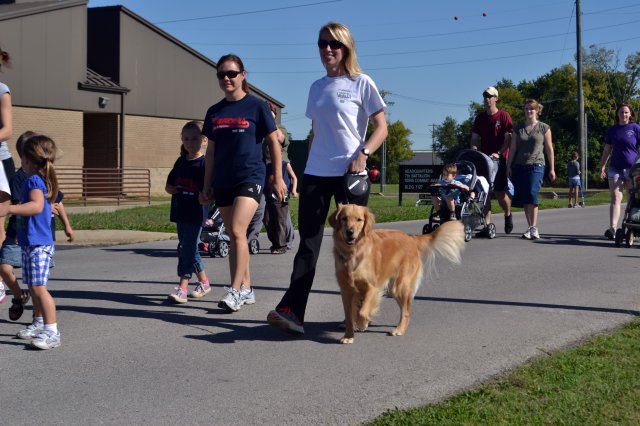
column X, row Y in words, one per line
column 342, row 33
column 41, row 151
column 450, row 168
column 537, row 105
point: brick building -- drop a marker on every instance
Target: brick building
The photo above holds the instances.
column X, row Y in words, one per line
column 109, row 87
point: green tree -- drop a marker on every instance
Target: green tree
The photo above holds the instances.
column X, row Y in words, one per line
column 398, row 147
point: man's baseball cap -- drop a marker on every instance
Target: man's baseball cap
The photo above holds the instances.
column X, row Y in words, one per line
column 491, row 91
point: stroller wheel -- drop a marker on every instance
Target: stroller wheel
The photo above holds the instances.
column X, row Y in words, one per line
column 426, row 229
column 618, row 237
column 491, row 231
column 468, row 233
column 210, row 249
column 630, row 237
column 254, row 246
column 222, row 248
column 434, row 227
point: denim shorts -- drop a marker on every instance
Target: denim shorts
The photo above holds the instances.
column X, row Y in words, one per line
column 575, row 181
column 527, row 181
column 11, row 254
column 35, row 264
column 617, row 174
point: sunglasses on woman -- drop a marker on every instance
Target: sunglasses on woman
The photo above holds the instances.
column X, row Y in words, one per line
column 333, row 44
column 229, row 74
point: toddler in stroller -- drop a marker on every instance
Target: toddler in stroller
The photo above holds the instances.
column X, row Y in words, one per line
column 630, row 229
column 475, row 171
column 214, row 239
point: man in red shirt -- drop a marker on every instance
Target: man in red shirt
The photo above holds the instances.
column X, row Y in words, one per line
column 491, row 134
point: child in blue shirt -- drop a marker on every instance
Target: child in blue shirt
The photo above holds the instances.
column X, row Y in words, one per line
column 451, row 196
column 33, row 226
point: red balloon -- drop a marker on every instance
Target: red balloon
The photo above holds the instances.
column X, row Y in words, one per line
column 374, row 175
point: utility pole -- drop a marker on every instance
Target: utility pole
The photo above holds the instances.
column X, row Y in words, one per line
column 433, row 141
column 582, row 143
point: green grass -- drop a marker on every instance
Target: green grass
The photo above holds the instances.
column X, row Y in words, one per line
column 594, row 384
column 385, row 207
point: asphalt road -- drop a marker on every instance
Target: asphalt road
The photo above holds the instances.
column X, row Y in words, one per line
column 129, row 357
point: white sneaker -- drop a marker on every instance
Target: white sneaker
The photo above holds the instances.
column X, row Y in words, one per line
column 527, row 234
column 247, row 296
column 534, row 233
column 232, row 301
column 3, row 293
column 30, row 332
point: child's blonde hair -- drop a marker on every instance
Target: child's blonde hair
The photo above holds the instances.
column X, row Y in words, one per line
column 450, row 168
column 41, row 151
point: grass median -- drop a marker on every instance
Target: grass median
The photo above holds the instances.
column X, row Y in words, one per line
column 383, row 205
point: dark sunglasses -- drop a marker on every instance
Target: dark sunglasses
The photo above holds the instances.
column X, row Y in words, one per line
column 229, row 74
column 487, row 96
column 333, row 44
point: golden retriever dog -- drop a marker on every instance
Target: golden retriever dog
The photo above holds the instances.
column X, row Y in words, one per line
column 370, row 262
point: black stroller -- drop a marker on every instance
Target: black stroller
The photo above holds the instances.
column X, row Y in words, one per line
column 630, row 229
column 472, row 165
column 214, row 239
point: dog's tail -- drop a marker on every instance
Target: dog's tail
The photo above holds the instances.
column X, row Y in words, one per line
column 447, row 241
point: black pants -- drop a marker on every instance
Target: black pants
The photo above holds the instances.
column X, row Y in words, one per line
column 315, row 200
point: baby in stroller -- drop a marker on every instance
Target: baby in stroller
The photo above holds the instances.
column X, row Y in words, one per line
column 448, row 190
column 630, row 229
column 475, row 172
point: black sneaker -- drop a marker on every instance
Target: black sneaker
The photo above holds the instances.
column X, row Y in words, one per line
column 286, row 320
column 610, row 233
column 508, row 224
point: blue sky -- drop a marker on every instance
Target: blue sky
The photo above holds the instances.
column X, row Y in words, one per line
column 432, row 64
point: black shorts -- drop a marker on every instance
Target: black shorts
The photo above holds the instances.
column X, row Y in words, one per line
column 224, row 196
column 500, row 183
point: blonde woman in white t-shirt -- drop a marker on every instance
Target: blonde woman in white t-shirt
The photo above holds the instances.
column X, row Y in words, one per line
column 340, row 105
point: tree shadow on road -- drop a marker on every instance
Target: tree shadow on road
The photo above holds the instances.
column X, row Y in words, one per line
column 532, row 305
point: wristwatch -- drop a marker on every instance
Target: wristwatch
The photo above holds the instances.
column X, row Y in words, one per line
column 365, row 151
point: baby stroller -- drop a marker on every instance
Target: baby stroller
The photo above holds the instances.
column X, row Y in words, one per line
column 472, row 165
column 214, row 240
column 630, row 229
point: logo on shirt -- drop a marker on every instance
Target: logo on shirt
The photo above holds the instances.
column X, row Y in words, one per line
column 631, row 134
column 229, row 123
column 344, row 95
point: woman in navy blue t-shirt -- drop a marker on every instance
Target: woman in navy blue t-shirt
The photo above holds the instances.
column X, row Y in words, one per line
column 235, row 170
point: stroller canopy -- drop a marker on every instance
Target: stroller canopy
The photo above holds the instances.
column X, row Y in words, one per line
column 486, row 166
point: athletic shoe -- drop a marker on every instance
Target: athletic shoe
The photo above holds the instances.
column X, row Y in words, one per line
column 527, row 234
column 582, row 204
column 232, row 301
column 452, row 216
column 571, row 206
column 534, row 233
column 179, row 296
column 30, row 332
column 3, row 293
column 46, row 341
column 610, row 233
column 17, row 305
column 281, row 250
column 202, row 289
column 286, row 320
column 247, row 296
column 508, row 224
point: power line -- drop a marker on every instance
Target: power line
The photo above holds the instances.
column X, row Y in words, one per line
column 251, row 12
column 466, row 61
column 440, row 49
